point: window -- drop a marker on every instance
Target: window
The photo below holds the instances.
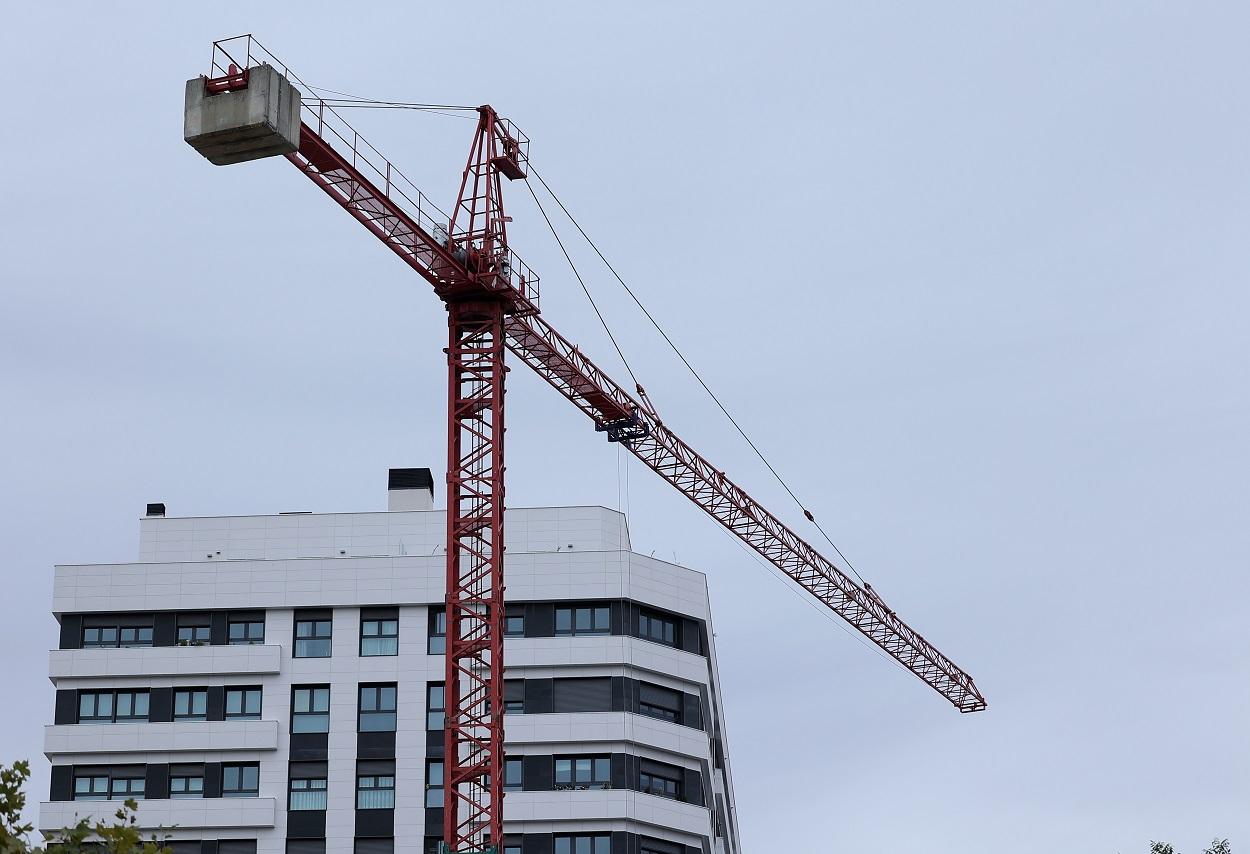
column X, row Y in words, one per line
column 109, row 784
column 434, row 783
column 583, row 843
column 191, row 704
column 375, row 846
column 106, row 707
column 377, row 708
column 657, row 702
column 653, row 627
column 114, row 636
column 236, row 846
column 193, row 635
column 246, row 632
column 582, row 695
column 435, row 706
column 514, row 622
column 310, row 708
column 511, row 846
column 312, row 638
column 375, row 792
column 583, row 772
column 512, row 774
column 313, row 635
column 664, row 782
column 93, row 637
column 242, row 703
column 118, row 784
column 308, row 788
column 135, row 636
column 513, row 696
column 91, row 787
column 590, row 620
column 186, row 783
column 379, row 637
column 240, row 780
column 437, row 644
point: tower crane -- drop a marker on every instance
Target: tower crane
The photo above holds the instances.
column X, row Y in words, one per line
column 249, row 106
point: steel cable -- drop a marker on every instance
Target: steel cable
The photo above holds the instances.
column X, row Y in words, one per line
column 806, row 513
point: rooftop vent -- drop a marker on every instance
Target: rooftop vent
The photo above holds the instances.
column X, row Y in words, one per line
column 156, row 510
column 410, row 489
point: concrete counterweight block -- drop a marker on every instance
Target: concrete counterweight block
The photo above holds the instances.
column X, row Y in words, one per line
column 261, row 120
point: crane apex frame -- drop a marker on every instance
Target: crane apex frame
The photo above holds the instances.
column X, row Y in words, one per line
column 248, row 107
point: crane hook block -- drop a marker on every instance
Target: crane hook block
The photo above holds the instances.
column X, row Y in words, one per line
column 625, row 430
column 245, row 115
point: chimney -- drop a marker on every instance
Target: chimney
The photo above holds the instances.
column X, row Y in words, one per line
column 410, row 489
column 156, row 510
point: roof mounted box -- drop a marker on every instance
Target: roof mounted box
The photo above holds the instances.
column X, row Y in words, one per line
column 410, row 489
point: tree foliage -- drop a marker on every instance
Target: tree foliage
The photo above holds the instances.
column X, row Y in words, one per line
column 119, row 836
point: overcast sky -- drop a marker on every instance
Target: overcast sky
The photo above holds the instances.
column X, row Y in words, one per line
column 973, row 275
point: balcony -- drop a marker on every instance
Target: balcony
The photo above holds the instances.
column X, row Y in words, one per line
column 605, row 729
column 595, row 650
column 607, row 805
column 182, row 736
column 144, row 662
column 176, row 816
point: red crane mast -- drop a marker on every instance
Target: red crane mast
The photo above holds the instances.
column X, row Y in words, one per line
column 491, row 298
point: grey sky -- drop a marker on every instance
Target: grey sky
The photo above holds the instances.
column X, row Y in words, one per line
column 973, row 274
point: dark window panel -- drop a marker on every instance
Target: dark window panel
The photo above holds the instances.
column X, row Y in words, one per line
column 66, row 711
column 538, row 773
column 212, row 779
column 692, row 711
column 693, row 787
column 161, row 705
column 71, row 631
column 540, row 619
column 583, row 695
column 62, row 784
column 375, row 745
column 156, row 783
column 375, row 846
column 309, row 745
column 219, row 628
column 539, row 696
column 217, row 703
column 306, row 829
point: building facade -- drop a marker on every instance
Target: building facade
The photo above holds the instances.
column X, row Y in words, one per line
column 273, row 684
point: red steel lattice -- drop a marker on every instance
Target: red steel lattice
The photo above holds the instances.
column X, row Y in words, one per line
column 492, row 303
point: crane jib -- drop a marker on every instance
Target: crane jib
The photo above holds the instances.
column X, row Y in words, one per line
column 369, row 188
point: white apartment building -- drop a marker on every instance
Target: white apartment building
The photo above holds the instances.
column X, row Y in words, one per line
column 273, row 685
